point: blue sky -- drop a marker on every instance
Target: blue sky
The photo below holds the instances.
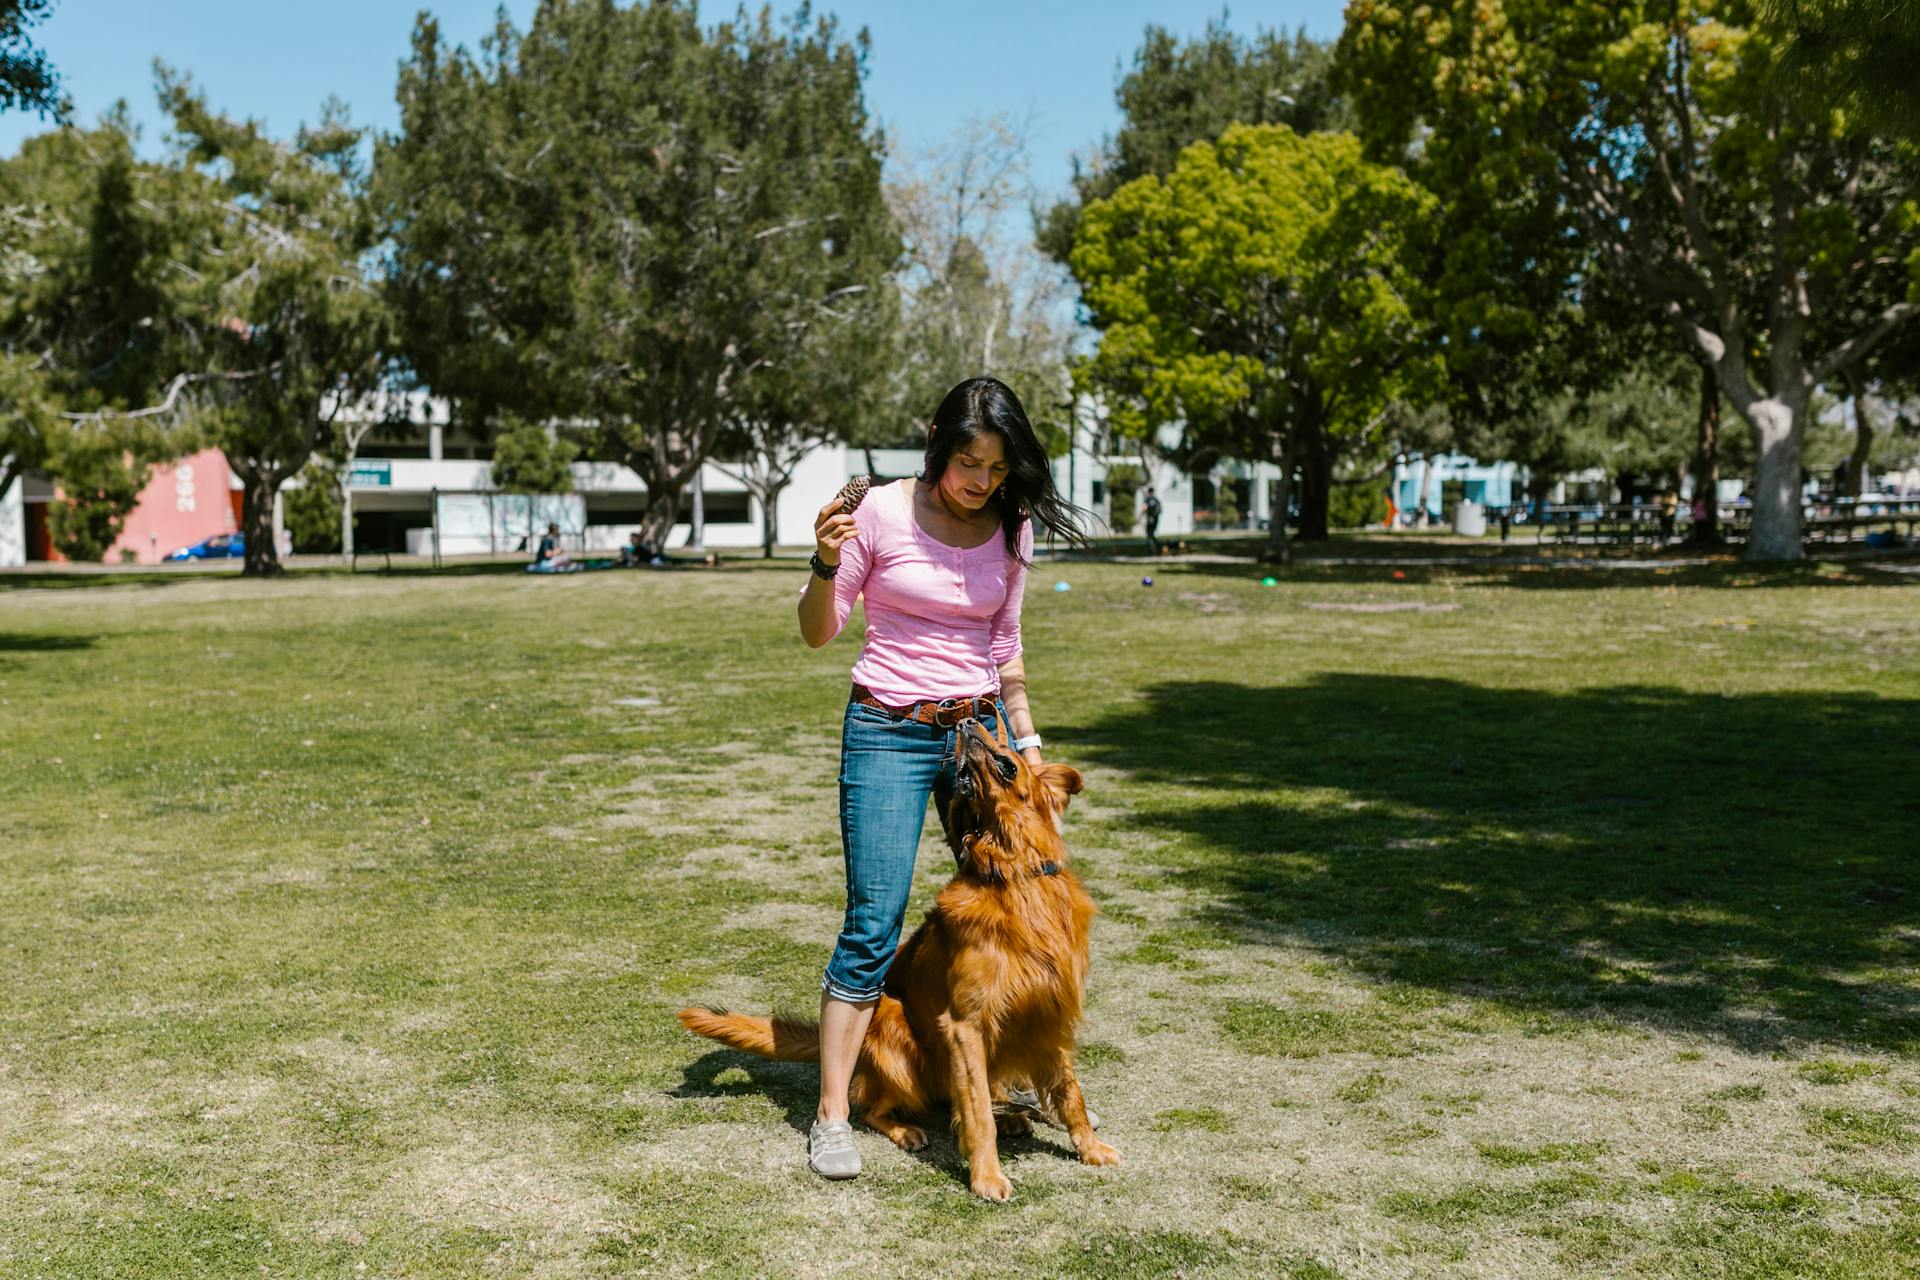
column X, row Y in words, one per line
column 933, row 64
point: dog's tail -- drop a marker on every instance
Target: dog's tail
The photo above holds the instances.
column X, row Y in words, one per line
column 788, row 1039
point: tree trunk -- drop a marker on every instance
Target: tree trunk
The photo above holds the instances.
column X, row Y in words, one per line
column 663, row 510
column 1279, row 550
column 1706, row 461
column 1779, row 425
column 1316, row 484
column 346, row 498
column 259, row 484
column 697, row 527
column 1539, row 488
column 1862, row 456
column 769, row 503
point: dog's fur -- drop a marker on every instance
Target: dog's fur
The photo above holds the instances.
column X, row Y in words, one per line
column 988, row 989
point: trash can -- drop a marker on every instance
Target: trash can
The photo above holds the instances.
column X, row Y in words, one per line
column 1470, row 520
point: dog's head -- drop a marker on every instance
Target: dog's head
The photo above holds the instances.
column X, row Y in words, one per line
column 1000, row 799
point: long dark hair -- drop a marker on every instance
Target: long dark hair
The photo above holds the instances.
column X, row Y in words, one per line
column 987, row 404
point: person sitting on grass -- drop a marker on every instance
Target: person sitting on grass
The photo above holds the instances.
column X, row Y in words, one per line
column 637, row 552
column 550, row 556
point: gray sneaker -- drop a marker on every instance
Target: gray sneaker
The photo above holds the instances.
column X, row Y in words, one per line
column 830, row 1150
column 1028, row 1101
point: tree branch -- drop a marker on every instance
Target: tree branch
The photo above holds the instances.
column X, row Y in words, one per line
column 1857, row 346
column 167, row 403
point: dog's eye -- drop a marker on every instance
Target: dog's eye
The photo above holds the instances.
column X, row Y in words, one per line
column 1007, row 768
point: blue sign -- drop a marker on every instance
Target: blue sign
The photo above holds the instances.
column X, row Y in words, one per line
column 372, row 474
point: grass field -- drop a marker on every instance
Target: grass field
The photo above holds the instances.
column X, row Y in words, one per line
column 1502, row 921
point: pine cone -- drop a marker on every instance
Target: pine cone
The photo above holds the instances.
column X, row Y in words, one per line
column 853, row 493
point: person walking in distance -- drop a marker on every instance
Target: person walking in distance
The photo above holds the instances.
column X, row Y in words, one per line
column 1151, row 505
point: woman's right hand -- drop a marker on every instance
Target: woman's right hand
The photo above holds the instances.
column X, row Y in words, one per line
column 831, row 528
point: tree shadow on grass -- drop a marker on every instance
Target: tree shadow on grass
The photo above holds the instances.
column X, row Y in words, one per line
column 369, row 567
column 1740, row 866
column 1563, row 574
column 793, row 1086
column 42, row 642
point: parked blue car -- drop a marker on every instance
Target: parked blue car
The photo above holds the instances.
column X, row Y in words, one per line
column 221, row 546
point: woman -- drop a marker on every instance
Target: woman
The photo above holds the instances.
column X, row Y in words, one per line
column 942, row 560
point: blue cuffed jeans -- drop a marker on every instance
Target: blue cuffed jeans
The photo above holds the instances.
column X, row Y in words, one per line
column 889, row 768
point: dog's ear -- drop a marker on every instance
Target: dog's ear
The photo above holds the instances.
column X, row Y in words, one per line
column 1059, row 781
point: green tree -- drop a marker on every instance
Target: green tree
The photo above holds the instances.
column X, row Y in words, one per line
column 1179, row 93
column 98, row 492
column 1861, row 54
column 313, row 509
column 88, row 321
column 287, row 325
column 531, row 459
column 27, row 419
column 1123, row 496
column 1176, row 93
column 823, row 386
column 1262, row 294
column 27, row 80
column 1651, row 131
column 618, row 219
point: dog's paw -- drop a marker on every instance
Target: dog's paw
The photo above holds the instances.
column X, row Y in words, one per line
column 993, row 1186
column 1011, row 1125
column 1098, row 1152
column 908, row 1138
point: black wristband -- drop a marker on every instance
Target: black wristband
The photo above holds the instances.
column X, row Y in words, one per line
column 821, row 569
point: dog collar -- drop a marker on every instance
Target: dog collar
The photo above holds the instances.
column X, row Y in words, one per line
column 1047, row 868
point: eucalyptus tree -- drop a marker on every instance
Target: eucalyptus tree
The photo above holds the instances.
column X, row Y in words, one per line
column 976, row 295
column 620, row 218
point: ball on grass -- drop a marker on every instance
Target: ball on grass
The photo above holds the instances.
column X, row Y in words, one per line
column 1269, row 582
column 1399, row 575
column 1063, row 586
column 1146, row 582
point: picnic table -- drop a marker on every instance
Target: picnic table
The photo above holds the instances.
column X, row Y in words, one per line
column 1828, row 521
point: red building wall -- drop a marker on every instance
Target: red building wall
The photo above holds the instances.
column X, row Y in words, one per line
column 184, row 502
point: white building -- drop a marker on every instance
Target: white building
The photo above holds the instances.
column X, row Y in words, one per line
column 417, row 471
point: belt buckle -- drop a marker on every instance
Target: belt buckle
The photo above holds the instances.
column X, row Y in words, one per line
column 944, row 706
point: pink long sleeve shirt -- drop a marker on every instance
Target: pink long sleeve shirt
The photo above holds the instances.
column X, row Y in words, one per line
column 940, row 619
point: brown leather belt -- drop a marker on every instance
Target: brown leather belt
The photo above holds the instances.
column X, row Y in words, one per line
column 943, row 714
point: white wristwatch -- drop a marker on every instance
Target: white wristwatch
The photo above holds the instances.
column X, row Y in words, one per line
column 1021, row 744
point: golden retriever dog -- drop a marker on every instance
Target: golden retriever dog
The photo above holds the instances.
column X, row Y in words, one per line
column 987, row 990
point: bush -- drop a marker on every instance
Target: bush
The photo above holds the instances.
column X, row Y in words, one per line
column 1355, row 506
column 100, row 483
column 1230, row 508
column 313, row 512
column 1123, row 494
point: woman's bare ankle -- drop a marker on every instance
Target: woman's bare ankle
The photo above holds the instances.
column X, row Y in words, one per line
column 826, row 1114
